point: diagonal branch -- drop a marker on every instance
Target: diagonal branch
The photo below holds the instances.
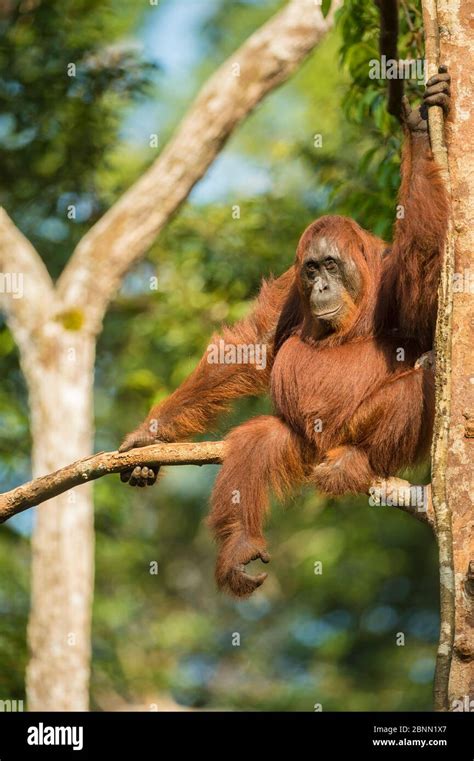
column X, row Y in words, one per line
column 102, row 464
column 393, row 492
column 126, row 231
column 26, row 289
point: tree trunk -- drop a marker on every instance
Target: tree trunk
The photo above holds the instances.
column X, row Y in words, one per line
column 59, row 372
column 457, row 43
column 58, row 363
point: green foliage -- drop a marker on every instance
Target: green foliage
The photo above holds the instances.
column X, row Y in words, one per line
column 365, row 105
column 358, row 23
column 306, row 638
column 14, row 603
column 64, row 80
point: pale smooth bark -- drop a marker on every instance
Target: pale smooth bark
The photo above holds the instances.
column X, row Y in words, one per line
column 125, row 232
column 60, row 388
column 26, row 308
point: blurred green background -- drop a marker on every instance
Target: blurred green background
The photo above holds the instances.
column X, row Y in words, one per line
column 169, row 639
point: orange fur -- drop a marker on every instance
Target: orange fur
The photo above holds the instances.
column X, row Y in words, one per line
column 261, row 454
column 348, row 408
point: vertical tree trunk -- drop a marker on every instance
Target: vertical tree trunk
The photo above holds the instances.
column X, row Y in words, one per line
column 59, row 371
column 58, row 363
column 457, row 44
column 440, row 446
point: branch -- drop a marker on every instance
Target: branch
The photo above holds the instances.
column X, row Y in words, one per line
column 435, row 113
column 393, row 492
column 26, row 289
column 414, row 500
column 126, row 231
column 102, row 464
